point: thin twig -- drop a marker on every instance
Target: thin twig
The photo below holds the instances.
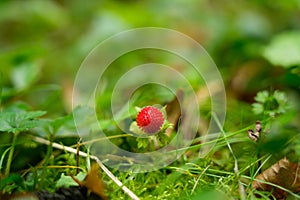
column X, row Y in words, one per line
column 198, row 179
column 236, row 168
column 83, row 154
column 102, row 138
column 77, row 156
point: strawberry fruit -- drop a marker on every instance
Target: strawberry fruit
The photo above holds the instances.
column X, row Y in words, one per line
column 150, row 119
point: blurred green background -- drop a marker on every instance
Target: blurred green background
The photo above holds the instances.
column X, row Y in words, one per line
column 47, row 41
column 255, row 44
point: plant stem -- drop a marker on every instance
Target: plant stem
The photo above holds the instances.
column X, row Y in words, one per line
column 46, row 162
column 83, row 154
column 11, row 153
column 236, row 168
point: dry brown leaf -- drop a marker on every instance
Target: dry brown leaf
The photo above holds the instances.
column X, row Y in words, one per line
column 94, row 183
column 283, row 173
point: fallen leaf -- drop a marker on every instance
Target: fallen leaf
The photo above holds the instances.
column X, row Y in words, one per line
column 283, row 173
column 94, row 182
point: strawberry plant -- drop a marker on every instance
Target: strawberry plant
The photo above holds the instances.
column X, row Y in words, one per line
column 149, row 100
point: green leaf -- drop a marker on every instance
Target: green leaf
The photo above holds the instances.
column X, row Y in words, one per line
column 262, row 96
column 270, row 104
column 142, row 142
column 82, row 119
column 12, row 183
column 19, row 121
column 32, row 114
column 135, row 130
column 17, row 107
column 162, row 139
column 280, row 96
column 60, row 123
column 4, row 123
column 284, row 49
column 67, row 181
column 60, row 126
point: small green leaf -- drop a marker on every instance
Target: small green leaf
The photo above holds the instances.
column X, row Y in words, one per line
column 142, row 142
column 19, row 121
column 162, row 139
column 280, row 96
column 284, row 49
column 4, row 124
column 136, row 130
column 32, row 114
column 270, row 104
column 137, row 109
column 262, row 96
column 58, row 123
column 17, row 107
column 12, row 183
column 67, row 181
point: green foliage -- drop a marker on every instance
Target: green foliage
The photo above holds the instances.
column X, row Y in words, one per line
column 284, row 49
column 136, row 130
column 67, row 181
column 146, row 141
column 279, row 136
column 270, row 104
column 142, row 143
column 210, row 194
column 43, row 46
column 162, row 139
column 12, row 183
column 14, row 120
column 18, row 121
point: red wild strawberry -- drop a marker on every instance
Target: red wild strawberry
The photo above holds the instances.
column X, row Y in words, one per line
column 150, row 119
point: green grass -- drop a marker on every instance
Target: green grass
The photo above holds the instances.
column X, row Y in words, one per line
column 44, row 140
